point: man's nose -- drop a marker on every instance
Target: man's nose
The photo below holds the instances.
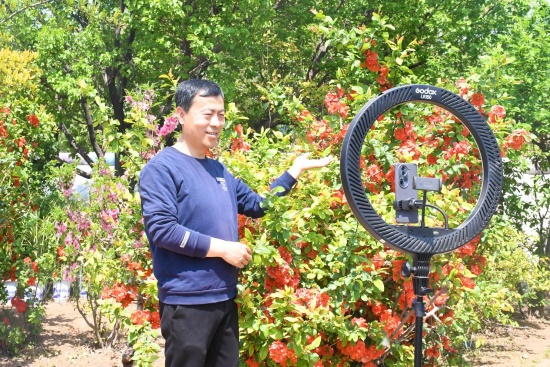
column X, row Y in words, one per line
column 217, row 121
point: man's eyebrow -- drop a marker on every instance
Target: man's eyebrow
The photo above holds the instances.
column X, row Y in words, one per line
column 213, row 109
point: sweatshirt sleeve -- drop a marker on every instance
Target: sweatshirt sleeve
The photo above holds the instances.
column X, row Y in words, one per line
column 158, row 192
column 249, row 201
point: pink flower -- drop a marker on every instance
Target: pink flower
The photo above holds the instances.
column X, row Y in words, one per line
column 497, row 112
column 69, row 239
column 61, row 228
column 170, row 124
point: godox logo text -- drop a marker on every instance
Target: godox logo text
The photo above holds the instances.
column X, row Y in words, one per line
column 426, row 91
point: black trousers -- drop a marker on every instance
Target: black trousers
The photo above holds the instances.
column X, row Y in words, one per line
column 201, row 335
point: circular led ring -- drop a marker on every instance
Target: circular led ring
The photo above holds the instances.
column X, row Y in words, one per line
column 413, row 239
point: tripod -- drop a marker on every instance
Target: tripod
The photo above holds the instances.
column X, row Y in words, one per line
column 420, row 271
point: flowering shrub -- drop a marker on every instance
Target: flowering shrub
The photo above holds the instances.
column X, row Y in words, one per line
column 320, row 290
column 101, row 246
column 26, row 139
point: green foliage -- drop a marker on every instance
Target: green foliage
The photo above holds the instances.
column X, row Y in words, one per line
column 320, row 290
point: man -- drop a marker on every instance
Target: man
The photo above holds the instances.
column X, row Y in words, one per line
column 190, row 205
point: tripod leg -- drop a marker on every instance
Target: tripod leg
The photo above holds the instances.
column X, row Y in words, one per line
column 418, row 306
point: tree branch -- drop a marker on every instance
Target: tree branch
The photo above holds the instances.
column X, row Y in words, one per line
column 74, row 144
column 278, row 4
column 91, row 130
column 320, row 51
column 13, row 14
column 78, row 170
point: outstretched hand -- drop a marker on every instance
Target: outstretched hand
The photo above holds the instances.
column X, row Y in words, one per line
column 302, row 163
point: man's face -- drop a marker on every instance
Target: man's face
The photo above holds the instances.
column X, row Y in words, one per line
column 202, row 124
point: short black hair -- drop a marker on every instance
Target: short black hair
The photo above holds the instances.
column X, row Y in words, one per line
column 188, row 89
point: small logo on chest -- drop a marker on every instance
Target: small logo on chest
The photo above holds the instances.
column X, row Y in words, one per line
column 222, row 183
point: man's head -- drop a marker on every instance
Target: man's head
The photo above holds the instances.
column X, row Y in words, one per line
column 188, row 89
column 201, row 113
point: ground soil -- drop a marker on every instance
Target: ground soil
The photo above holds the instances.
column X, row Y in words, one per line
column 68, row 341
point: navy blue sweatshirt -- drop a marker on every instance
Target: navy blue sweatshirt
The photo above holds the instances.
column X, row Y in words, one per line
column 185, row 201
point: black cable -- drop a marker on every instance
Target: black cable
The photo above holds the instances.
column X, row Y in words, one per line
column 442, row 213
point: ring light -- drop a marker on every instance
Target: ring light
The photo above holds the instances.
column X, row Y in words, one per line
column 411, row 239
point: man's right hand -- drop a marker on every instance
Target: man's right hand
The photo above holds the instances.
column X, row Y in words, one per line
column 235, row 253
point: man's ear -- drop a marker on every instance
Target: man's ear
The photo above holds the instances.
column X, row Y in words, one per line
column 180, row 113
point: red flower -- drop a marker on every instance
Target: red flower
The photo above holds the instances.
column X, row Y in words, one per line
column 441, row 299
column 469, row 248
column 391, row 323
column 251, row 362
column 3, row 130
column 463, row 86
column 477, row 99
column 377, row 261
column 280, row 276
column 432, row 352
column 334, row 105
column 375, row 173
column 378, row 308
column 467, row 283
column 497, row 113
column 33, row 120
column 390, row 178
column 155, row 319
column 476, row 269
column 278, row 352
column 360, row 352
column 447, row 344
column 360, row 322
column 20, row 142
column 409, row 149
column 371, row 61
column 139, row 316
column 448, row 317
column 432, row 159
column 238, row 143
column 19, row 304
column 516, row 139
column 61, row 253
column 399, row 134
column 407, row 297
column 123, row 295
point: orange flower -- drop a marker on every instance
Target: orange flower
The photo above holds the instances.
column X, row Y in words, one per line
column 20, row 142
column 371, row 61
column 497, row 113
column 155, row 319
column 477, row 99
column 33, row 120
column 516, row 139
column 138, row 317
